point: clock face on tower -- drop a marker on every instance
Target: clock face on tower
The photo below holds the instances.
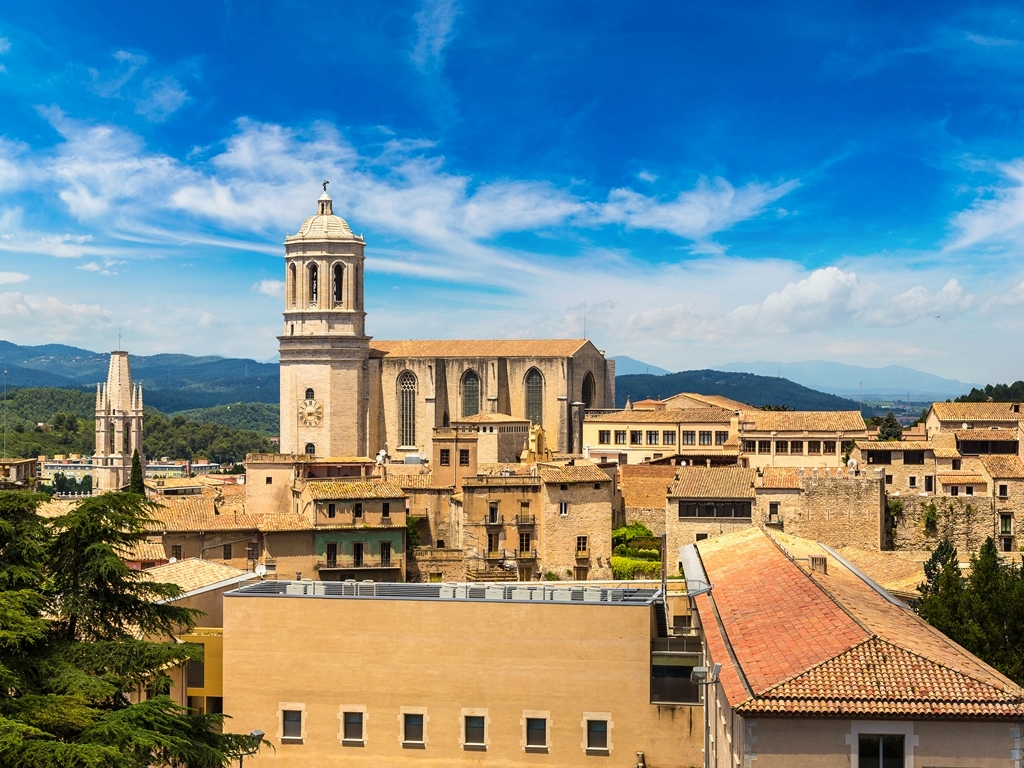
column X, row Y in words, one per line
column 311, row 413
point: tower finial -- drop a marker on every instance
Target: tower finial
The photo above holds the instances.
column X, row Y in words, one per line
column 325, row 184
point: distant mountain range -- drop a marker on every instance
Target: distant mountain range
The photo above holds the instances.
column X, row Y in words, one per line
column 624, row 366
column 890, row 382
column 745, row 387
column 171, row 383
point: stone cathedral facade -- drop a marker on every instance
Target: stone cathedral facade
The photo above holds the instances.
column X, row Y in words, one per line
column 118, row 425
column 346, row 395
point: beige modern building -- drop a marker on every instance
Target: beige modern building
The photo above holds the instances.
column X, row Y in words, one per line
column 460, row 674
column 343, row 396
column 822, row 667
column 636, row 435
column 796, row 438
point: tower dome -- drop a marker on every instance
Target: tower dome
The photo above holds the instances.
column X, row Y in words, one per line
column 324, row 225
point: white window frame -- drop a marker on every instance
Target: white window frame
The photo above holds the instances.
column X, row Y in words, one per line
column 536, row 714
column 361, row 708
column 905, row 729
column 563, row 509
column 607, row 717
column 291, row 706
column 402, row 712
column 471, row 712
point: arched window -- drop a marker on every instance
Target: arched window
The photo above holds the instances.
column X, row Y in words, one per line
column 534, row 396
column 291, row 284
column 470, row 394
column 588, row 390
column 310, row 449
column 314, row 283
column 339, row 281
column 407, row 393
column 310, row 394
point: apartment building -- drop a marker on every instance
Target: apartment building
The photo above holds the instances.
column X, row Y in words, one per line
column 796, row 438
column 950, row 417
column 818, row 660
column 562, row 674
column 639, row 435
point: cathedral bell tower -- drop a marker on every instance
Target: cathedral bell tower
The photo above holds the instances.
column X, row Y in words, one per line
column 118, row 425
column 324, row 350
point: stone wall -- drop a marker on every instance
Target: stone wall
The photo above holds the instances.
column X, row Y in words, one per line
column 426, row 565
column 590, row 515
column 837, row 511
column 966, row 521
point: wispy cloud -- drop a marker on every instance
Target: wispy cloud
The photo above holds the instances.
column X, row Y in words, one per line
column 12, row 277
column 155, row 98
column 5, row 45
column 997, row 215
column 31, row 316
column 273, row 288
column 434, row 22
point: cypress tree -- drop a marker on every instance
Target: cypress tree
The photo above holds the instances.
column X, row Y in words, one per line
column 135, row 483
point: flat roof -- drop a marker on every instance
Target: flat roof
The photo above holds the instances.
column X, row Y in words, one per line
column 568, row 592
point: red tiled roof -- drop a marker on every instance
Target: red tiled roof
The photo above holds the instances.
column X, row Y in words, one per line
column 580, row 472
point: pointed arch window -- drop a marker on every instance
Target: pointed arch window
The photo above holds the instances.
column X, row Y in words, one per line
column 314, row 284
column 407, row 395
column 470, row 394
column 534, row 396
column 291, row 284
column 588, row 390
column 339, row 281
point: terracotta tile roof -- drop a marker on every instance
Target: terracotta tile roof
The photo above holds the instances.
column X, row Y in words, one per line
column 944, row 446
column 893, row 445
column 481, row 348
column 878, row 677
column 898, row 571
column 1003, row 467
column 156, row 483
column 491, row 418
column 645, row 486
column 802, row 421
column 667, row 416
column 828, row 644
column 197, row 513
column 718, row 401
column 966, row 478
column 781, row 478
column 986, row 434
column 425, row 480
column 193, row 573
column 55, row 507
column 975, row 412
column 146, row 551
column 713, row 483
column 338, row 489
column 580, row 472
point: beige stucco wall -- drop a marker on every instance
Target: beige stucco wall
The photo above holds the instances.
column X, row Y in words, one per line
column 563, row 660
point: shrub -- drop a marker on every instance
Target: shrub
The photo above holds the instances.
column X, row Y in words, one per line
column 931, row 518
column 550, row 576
column 626, row 568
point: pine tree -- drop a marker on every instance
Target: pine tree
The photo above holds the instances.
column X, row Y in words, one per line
column 80, row 633
column 135, row 483
column 890, row 429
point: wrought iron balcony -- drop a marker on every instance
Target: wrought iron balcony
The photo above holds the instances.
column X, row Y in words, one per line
column 526, row 520
column 526, row 554
column 496, row 554
column 351, row 562
column 496, row 521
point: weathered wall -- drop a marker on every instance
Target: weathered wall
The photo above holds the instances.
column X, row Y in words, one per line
column 590, row 515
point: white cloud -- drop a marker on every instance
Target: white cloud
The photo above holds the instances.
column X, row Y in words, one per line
column 273, row 288
column 434, row 22
column 647, row 176
column 160, row 99
column 12, row 277
column 998, row 213
column 30, row 318
column 5, row 45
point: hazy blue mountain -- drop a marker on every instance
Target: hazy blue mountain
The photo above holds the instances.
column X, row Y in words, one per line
column 745, row 387
column 625, row 366
column 892, row 381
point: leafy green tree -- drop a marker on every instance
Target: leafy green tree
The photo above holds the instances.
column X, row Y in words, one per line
column 135, row 483
column 71, row 618
column 890, row 429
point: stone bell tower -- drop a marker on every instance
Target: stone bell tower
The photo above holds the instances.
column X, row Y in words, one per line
column 324, row 350
column 118, row 425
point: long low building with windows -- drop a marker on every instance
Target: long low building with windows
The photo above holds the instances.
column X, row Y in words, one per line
column 461, row 674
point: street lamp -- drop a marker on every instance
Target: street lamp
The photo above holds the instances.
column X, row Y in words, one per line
column 256, row 736
column 700, row 676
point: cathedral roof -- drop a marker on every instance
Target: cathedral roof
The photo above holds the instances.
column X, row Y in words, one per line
column 481, row 348
column 324, row 226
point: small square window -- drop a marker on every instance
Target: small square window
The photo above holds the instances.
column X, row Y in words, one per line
column 597, row 486
column 414, row 728
column 954, row 491
column 463, row 457
column 956, row 463
column 353, row 726
column 652, row 437
column 888, row 479
column 828, row 446
column 475, row 730
column 291, row 722
column 536, row 732
column 782, row 446
column 912, row 481
column 969, row 490
column 581, row 543
column 814, row 446
column 604, row 437
column 620, row 437
column 701, row 536
column 445, row 457
column 796, row 446
column 764, row 446
column 597, row 734
column 1003, row 491
column 270, row 481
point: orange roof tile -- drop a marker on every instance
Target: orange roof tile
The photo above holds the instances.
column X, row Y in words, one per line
column 893, row 445
column 193, row 573
column 1009, row 435
column 580, row 472
column 424, row 480
column 976, row 412
column 1003, row 467
column 480, row 348
column 338, row 489
column 713, row 483
column 146, row 550
column 802, row 421
column 780, row 478
column 667, row 416
column 962, row 479
column 944, row 446
column 718, row 401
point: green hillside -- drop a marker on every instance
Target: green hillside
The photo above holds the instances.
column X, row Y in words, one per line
column 744, row 387
column 257, row 417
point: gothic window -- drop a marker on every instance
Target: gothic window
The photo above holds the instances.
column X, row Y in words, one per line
column 314, row 283
column 339, row 280
column 291, row 284
column 588, row 390
column 534, row 396
column 310, row 449
column 470, row 394
column 310, row 395
column 407, row 390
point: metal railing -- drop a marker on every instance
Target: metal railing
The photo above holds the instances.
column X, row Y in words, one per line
column 496, row 554
column 342, row 561
column 522, row 520
column 526, row 554
column 494, row 520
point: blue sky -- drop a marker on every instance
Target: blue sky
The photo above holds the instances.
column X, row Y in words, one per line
column 832, row 181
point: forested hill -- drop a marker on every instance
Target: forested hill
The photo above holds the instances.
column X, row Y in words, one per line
column 996, row 393
column 745, row 387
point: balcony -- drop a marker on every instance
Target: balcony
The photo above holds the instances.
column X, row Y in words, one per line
column 526, row 554
column 524, row 521
column 582, row 554
column 351, row 562
column 496, row 554
column 494, row 521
